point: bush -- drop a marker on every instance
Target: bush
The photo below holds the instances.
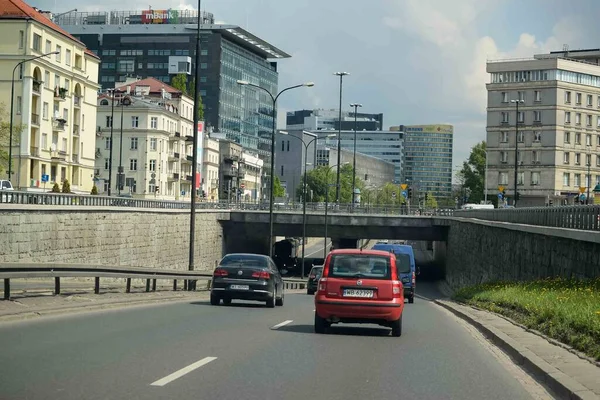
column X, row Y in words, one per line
column 566, row 310
column 66, row 186
column 55, row 188
column 94, row 191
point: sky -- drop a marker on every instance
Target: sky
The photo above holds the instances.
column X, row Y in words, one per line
column 415, row 61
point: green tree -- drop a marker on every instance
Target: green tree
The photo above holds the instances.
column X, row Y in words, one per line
column 390, row 195
column 94, row 191
column 55, row 188
column 180, row 82
column 472, row 173
column 278, row 189
column 5, row 138
column 190, row 92
column 66, row 186
column 318, row 178
column 431, row 201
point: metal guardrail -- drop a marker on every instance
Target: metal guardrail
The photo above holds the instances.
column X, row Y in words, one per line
column 10, row 271
column 583, row 217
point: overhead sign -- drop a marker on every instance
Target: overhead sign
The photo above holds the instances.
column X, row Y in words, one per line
column 501, row 188
column 160, row 17
column 404, row 193
column 582, row 189
column 404, row 186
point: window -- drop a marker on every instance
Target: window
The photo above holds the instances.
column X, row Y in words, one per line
column 521, row 178
column 521, row 96
column 45, row 111
column 152, row 165
column 537, row 136
column 107, row 143
column 537, row 95
column 597, row 160
column 288, row 145
column 566, row 158
column 578, row 118
column 133, row 164
column 37, row 42
column 106, row 163
column 577, row 180
column 153, row 144
column 589, row 100
column 203, row 65
column 519, row 156
column 535, row 156
column 588, row 120
column 567, row 117
column 535, row 178
column 134, row 143
column 130, row 183
column 567, row 137
column 504, row 118
column 504, row 156
column 68, row 57
column 504, row 97
column 19, row 105
column 282, row 170
column 588, row 159
column 566, row 179
column 577, row 158
column 504, row 137
column 521, row 137
column 521, row 117
column 366, row 266
column 126, row 66
column 154, row 122
column 503, row 178
column 537, row 116
column 21, row 39
column 578, row 138
column 578, row 98
column 58, row 54
column 283, row 145
column 108, row 121
column 588, row 140
column 567, row 97
column 44, row 141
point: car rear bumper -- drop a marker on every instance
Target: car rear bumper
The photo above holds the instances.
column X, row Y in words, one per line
column 358, row 311
column 251, row 294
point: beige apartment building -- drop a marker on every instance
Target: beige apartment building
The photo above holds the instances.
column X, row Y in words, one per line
column 54, row 100
column 157, row 131
column 558, row 121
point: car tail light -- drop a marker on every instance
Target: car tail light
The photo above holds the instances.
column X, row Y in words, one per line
column 414, row 278
column 323, row 285
column 220, row 272
column 261, row 275
column 397, row 289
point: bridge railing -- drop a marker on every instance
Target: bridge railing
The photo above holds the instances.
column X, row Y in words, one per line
column 11, row 271
column 583, row 217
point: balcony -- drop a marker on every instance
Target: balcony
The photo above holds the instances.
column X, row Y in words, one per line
column 77, row 101
column 173, row 177
column 37, row 87
column 185, row 160
column 57, row 156
column 35, row 119
column 60, row 94
column 174, row 157
column 34, row 151
column 229, row 170
column 75, row 130
column 58, row 124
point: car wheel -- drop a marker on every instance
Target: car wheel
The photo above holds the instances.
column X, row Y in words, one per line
column 397, row 327
column 271, row 301
column 214, row 300
column 411, row 299
column 279, row 302
column 321, row 324
column 227, row 301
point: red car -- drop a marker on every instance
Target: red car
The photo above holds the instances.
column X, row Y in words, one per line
column 359, row 286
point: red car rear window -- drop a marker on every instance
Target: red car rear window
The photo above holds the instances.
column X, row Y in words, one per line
column 360, row 266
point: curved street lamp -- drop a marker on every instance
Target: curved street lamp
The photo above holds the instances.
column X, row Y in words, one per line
column 306, row 145
column 327, row 201
column 339, row 137
column 274, row 98
column 12, row 104
column 355, row 105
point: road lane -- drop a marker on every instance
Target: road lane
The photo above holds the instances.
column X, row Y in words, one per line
column 119, row 354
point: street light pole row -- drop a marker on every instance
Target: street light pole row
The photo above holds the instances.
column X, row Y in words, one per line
column 355, row 105
column 327, row 184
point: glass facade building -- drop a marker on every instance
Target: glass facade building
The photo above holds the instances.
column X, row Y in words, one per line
column 162, row 44
column 428, row 158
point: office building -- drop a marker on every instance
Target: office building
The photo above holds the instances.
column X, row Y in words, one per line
column 320, row 119
column 374, row 172
column 162, row 43
column 290, row 155
column 54, row 101
column 154, row 127
column 428, row 159
column 558, row 124
column 384, row 145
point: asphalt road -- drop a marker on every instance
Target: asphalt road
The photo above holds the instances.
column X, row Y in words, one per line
column 234, row 352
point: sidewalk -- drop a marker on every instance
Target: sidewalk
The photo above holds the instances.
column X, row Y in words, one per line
column 568, row 375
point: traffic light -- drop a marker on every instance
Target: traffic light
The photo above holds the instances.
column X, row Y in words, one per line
column 410, row 193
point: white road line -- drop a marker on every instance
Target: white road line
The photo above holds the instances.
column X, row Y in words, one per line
column 289, row 321
column 183, row 371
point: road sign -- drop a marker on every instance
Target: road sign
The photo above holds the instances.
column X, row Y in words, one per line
column 183, row 192
column 404, row 193
column 403, row 187
column 45, row 178
column 501, row 188
column 582, row 189
column 500, row 195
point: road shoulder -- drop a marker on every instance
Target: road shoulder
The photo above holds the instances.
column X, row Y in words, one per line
column 565, row 373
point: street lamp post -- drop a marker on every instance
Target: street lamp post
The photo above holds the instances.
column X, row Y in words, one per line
column 485, row 178
column 355, row 105
column 125, row 101
column 274, row 98
column 327, row 205
column 589, row 176
column 339, row 139
column 517, row 102
column 12, row 105
column 306, row 146
column 110, row 156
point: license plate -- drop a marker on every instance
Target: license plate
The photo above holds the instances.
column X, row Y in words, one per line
column 358, row 293
column 239, row 287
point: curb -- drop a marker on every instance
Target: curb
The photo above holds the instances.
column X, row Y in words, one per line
column 560, row 383
column 84, row 308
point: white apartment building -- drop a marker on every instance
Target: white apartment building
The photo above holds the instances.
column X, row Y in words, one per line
column 157, row 129
column 210, row 168
column 54, row 101
column 558, row 128
column 251, row 179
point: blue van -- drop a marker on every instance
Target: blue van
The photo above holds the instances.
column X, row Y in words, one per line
column 407, row 270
